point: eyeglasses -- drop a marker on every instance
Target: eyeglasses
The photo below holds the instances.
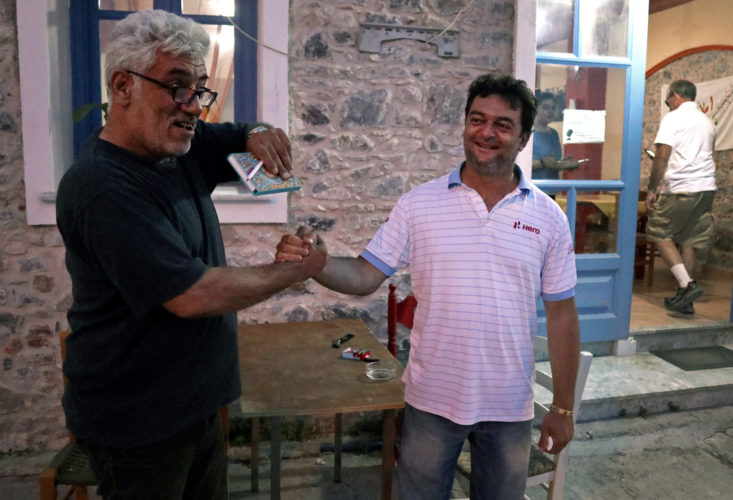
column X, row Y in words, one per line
column 666, row 101
column 183, row 95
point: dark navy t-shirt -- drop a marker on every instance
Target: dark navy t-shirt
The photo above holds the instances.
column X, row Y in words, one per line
column 137, row 234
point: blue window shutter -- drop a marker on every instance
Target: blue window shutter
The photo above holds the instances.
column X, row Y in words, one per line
column 245, row 57
column 85, row 72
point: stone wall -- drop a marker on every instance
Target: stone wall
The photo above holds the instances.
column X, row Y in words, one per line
column 698, row 67
column 365, row 128
column 34, row 287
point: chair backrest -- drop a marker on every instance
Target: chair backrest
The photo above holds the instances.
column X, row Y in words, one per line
column 398, row 311
column 546, row 470
column 544, row 378
column 554, row 476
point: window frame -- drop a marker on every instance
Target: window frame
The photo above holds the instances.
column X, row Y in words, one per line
column 45, row 66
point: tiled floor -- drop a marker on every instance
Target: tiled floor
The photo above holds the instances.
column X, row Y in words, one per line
column 647, row 304
column 644, row 382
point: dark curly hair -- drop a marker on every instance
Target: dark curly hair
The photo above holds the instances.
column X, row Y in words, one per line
column 513, row 90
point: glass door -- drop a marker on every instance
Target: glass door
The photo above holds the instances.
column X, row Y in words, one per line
column 587, row 141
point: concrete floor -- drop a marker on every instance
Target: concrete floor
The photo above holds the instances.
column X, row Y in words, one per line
column 677, row 455
column 673, row 456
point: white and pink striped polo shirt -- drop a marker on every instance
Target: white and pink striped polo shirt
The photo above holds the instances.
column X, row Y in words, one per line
column 477, row 276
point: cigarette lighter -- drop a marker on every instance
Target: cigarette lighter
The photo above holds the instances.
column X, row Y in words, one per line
column 342, row 340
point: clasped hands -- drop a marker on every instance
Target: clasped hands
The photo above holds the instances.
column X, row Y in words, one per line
column 304, row 246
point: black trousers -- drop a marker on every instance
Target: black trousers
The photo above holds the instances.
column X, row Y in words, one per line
column 192, row 465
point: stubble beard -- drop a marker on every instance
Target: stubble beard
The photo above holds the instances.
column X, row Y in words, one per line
column 500, row 166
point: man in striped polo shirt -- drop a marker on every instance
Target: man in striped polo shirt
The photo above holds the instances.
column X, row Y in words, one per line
column 482, row 244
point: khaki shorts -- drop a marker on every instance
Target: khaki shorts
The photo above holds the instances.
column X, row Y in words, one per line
column 685, row 218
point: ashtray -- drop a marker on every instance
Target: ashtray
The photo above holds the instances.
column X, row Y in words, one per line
column 380, row 371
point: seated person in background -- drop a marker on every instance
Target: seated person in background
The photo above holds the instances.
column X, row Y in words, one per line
column 547, row 158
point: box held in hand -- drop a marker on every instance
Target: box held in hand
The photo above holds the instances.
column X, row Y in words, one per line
column 249, row 168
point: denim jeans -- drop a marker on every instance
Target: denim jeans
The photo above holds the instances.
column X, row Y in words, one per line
column 430, row 446
column 192, row 465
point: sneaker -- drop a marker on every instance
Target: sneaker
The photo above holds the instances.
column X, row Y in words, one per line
column 688, row 309
column 684, row 297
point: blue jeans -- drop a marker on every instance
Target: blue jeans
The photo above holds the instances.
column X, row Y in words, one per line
column 192, row 465
column 430, row 446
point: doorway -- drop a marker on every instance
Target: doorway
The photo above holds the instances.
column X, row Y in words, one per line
column 591, row 57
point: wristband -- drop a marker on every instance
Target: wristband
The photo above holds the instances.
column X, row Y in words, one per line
column 256, row 130
column 561, row 411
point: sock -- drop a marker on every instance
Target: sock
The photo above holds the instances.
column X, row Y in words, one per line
column 679, row 272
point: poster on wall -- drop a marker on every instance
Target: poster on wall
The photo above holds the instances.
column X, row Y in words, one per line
column 715, row 99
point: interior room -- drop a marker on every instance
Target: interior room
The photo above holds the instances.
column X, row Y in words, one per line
column 684, row 42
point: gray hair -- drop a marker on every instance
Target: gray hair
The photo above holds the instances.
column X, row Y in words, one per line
column 137, row 39
column 685, row 88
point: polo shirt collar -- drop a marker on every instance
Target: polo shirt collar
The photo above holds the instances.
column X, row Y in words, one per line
column 687, row 104
column 454, row 178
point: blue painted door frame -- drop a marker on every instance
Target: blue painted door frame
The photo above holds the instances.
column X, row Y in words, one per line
column 603, row 292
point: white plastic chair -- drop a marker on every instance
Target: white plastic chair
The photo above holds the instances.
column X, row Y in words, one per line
column 549, row 471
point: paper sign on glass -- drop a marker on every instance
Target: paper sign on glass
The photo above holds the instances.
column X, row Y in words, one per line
column 581, row 126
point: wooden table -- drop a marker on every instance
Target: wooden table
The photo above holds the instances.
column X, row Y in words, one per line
column 587, row 204
column 291, row 369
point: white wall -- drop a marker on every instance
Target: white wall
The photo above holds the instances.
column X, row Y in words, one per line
column 694, row 24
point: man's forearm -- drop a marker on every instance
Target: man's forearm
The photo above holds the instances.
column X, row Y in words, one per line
column 659, row 166
column 350, row 275
column 227, row 289
column 563, row 344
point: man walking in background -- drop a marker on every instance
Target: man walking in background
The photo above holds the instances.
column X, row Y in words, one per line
column 681, row 190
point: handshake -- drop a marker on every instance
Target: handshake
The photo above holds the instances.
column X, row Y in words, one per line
column 348, row 275
column 303, row 247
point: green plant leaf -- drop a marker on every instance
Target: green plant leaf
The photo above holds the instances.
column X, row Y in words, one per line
column 82, row 112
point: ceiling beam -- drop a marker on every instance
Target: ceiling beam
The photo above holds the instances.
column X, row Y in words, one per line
column 660, row 5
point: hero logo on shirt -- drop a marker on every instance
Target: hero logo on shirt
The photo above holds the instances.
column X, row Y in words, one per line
column 519, row 225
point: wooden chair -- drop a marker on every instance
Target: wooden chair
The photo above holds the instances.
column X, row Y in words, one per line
column 646, row 250
column 398, row 311
column 546, row 470
column 70, row 466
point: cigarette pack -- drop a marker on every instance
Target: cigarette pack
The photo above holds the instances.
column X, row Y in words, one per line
column 253, row 175
column 357, row 353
